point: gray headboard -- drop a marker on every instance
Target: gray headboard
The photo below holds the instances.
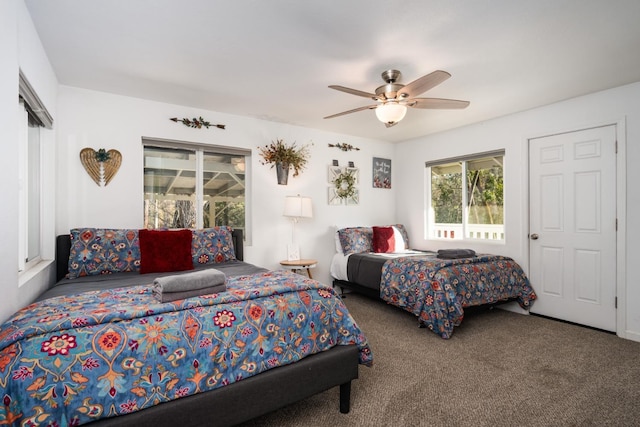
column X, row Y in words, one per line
column 63, row 248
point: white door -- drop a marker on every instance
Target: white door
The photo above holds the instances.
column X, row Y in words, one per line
column 572, row 227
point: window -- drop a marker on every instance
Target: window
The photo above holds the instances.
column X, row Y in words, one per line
column 34, row 116
column 466, row 208
column 30, row 184
column 180, row 177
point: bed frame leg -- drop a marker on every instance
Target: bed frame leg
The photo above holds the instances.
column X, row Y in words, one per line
column 345, row 397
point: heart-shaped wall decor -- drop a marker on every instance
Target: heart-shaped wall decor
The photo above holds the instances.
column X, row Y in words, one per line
column 101, row 165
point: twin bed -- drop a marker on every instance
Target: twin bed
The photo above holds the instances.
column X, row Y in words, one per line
column 100, row 349
column 435, row 289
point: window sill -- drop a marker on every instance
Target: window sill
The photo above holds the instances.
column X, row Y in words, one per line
column 26, row 276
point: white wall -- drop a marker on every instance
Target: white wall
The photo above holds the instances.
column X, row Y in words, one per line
column 99, row 120
column 511, row 133
column 20, row 48
column 8, row 159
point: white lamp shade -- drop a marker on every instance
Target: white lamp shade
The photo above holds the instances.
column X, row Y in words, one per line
column 391, row 112
column 298, row 207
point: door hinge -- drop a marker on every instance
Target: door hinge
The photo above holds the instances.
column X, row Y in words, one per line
column 616, row 224
column 616, row 146
column 616, row 303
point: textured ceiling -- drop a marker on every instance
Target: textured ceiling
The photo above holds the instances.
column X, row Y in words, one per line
column 274, row 59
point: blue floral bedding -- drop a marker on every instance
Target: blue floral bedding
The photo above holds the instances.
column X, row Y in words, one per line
column 438, row 290
column 74, row 359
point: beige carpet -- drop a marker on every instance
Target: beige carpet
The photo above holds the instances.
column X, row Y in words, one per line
column 498, row 369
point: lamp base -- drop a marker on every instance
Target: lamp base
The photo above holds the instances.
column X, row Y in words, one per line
column 293, row 252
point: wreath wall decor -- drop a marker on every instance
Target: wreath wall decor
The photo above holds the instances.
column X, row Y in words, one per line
column 344, row 185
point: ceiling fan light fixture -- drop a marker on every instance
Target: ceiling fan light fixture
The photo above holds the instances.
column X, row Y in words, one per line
column 393, row 98
column 391, row 112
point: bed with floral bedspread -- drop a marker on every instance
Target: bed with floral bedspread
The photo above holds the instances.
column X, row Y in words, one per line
column 70, row 360
column 437, row 290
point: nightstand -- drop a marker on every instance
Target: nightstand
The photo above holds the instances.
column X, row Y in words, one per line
column 300, row 264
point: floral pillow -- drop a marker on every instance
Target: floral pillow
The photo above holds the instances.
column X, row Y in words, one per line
column 356, row 240
column 97, row 251
column 212, row 246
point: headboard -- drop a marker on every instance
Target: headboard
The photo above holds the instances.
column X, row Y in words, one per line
column 63, row 248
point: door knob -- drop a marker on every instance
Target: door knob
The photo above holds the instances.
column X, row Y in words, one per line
column 534, row 236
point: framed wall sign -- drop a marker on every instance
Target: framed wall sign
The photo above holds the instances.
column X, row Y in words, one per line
column 381, row 173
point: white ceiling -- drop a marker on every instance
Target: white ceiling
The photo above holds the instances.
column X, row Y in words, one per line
column 273, row 59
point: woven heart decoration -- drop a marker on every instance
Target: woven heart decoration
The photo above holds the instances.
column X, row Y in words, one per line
column 101, row 165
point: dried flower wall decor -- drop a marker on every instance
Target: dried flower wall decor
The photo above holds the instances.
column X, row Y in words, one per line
column 287, row 156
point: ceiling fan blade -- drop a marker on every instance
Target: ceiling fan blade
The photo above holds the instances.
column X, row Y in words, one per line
column 354, row 92
column 437, row 103
column 423, row 84
column 368, row 107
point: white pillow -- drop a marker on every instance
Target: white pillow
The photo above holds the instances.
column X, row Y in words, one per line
column 337, row 239
column 400, row 245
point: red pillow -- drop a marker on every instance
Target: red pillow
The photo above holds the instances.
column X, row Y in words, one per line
column 383, row 240
column 165, row 250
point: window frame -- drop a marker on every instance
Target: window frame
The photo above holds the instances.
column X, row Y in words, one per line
column 31, row 107
column 430, row 212
column 201, row 150
column 29, row 234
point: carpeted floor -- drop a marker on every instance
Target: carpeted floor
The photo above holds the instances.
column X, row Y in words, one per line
column 498, row 369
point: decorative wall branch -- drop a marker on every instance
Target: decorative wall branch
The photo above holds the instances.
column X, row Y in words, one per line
column 101, row 165
column 196, row 123
column 344, row 147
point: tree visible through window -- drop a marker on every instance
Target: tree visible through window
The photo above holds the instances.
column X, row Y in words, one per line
column 177, row 180
column 473, row 208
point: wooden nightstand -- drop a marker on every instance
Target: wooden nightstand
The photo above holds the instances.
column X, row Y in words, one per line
column 300, row 264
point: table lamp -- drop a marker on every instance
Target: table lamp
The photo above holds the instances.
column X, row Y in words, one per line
column 296, row 207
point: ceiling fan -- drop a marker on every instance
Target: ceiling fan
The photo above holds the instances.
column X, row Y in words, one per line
column 393, row 98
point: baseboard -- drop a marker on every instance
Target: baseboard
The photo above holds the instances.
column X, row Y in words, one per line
column 630, row 335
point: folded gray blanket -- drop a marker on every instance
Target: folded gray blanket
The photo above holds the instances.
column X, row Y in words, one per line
column 181, row 286
column 456, row 253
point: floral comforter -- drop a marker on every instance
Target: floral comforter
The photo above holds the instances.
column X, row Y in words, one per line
column 71, row 360
column 437, row 290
